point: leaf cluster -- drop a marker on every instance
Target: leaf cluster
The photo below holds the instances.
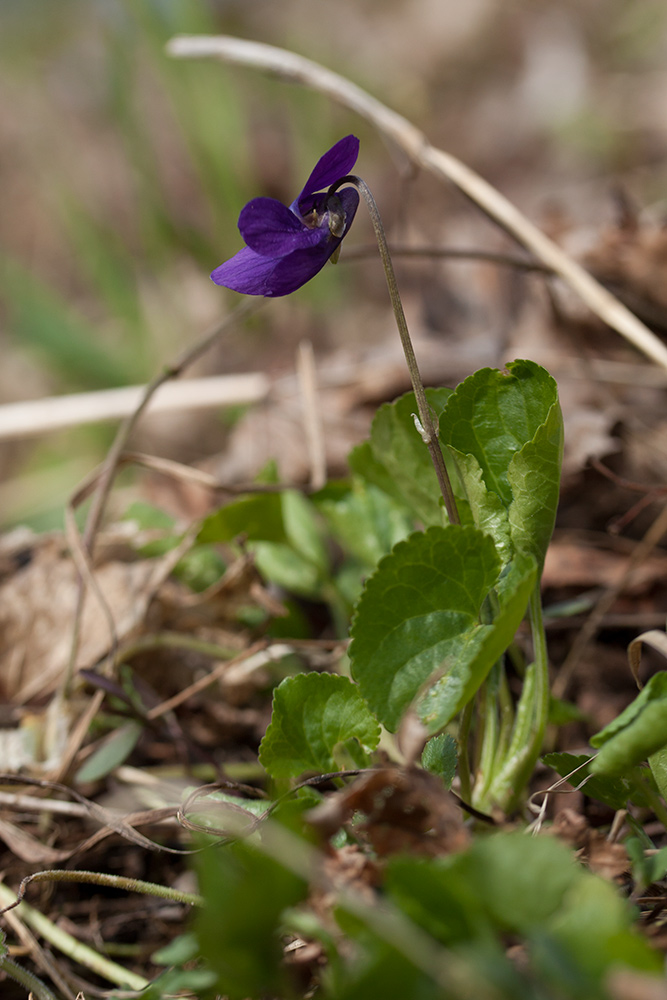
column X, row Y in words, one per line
column 440, row 928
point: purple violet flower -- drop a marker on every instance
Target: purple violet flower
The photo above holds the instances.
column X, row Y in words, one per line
column 286, row 247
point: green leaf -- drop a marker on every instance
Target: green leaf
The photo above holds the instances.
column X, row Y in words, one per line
column 656, row 689
column 534, row 476
column 200, row 568
column 257, row 517
column 367, row 467
column 531, row 887
column 482, row 646
column 646, row 868
column 561, row 712
column 177, row 982
column 147, row 516
column 111, row 753
column 658, row 764
column 486, row 508
column 520, row 880
column 418, row 612
column 366, row 521
column 245, row 893
column 283, row 532
column 384, row 972
column 182, row 949
column 440, row 756
column 637, row 742
column 637, row 733
column 493, row 414
column 614, row 792
column 314, row 718
column 595, row 926
column 287, row 568
column 302, row 529
column 431, row 893
column 505, row 431
column 397, row 460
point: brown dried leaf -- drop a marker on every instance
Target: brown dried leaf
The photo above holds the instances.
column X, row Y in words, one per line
column 406, row 809
column 28, row 848
column 572, row 828
column 628, row 984
column 610, row 860
column 37, row 605
column 603, row 856
column 350, row 868
column 571, row 564
column 631, row 260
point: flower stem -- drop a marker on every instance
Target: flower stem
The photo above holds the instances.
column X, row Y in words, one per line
column 425, row 416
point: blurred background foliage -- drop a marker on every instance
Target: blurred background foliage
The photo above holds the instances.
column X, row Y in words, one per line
column 122, row 172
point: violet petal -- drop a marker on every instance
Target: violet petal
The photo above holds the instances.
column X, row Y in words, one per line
column 272, row 230
column 252, row 274
column 336, row 163
column 257, row 274
column 296, row 270
column 247, row 272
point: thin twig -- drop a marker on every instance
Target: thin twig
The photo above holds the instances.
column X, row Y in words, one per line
column 297, row 69
column 594, row 621
column 462, row 254
column 30, row 803
column 256, row 656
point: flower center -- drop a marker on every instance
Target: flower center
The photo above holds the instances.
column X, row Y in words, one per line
column 331, row 209
column 336, row 216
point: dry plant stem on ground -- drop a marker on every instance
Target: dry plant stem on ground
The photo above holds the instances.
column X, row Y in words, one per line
column 297, row 69
column 74, row 949
column 53, row 413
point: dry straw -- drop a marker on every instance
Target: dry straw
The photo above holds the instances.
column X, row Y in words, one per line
column 296, row 69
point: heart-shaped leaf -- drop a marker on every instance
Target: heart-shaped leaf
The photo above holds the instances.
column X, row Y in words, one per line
column 418, row 612
column 317, row 721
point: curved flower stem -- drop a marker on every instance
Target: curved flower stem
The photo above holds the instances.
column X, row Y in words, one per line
column 114, row 881
column 430, row 434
